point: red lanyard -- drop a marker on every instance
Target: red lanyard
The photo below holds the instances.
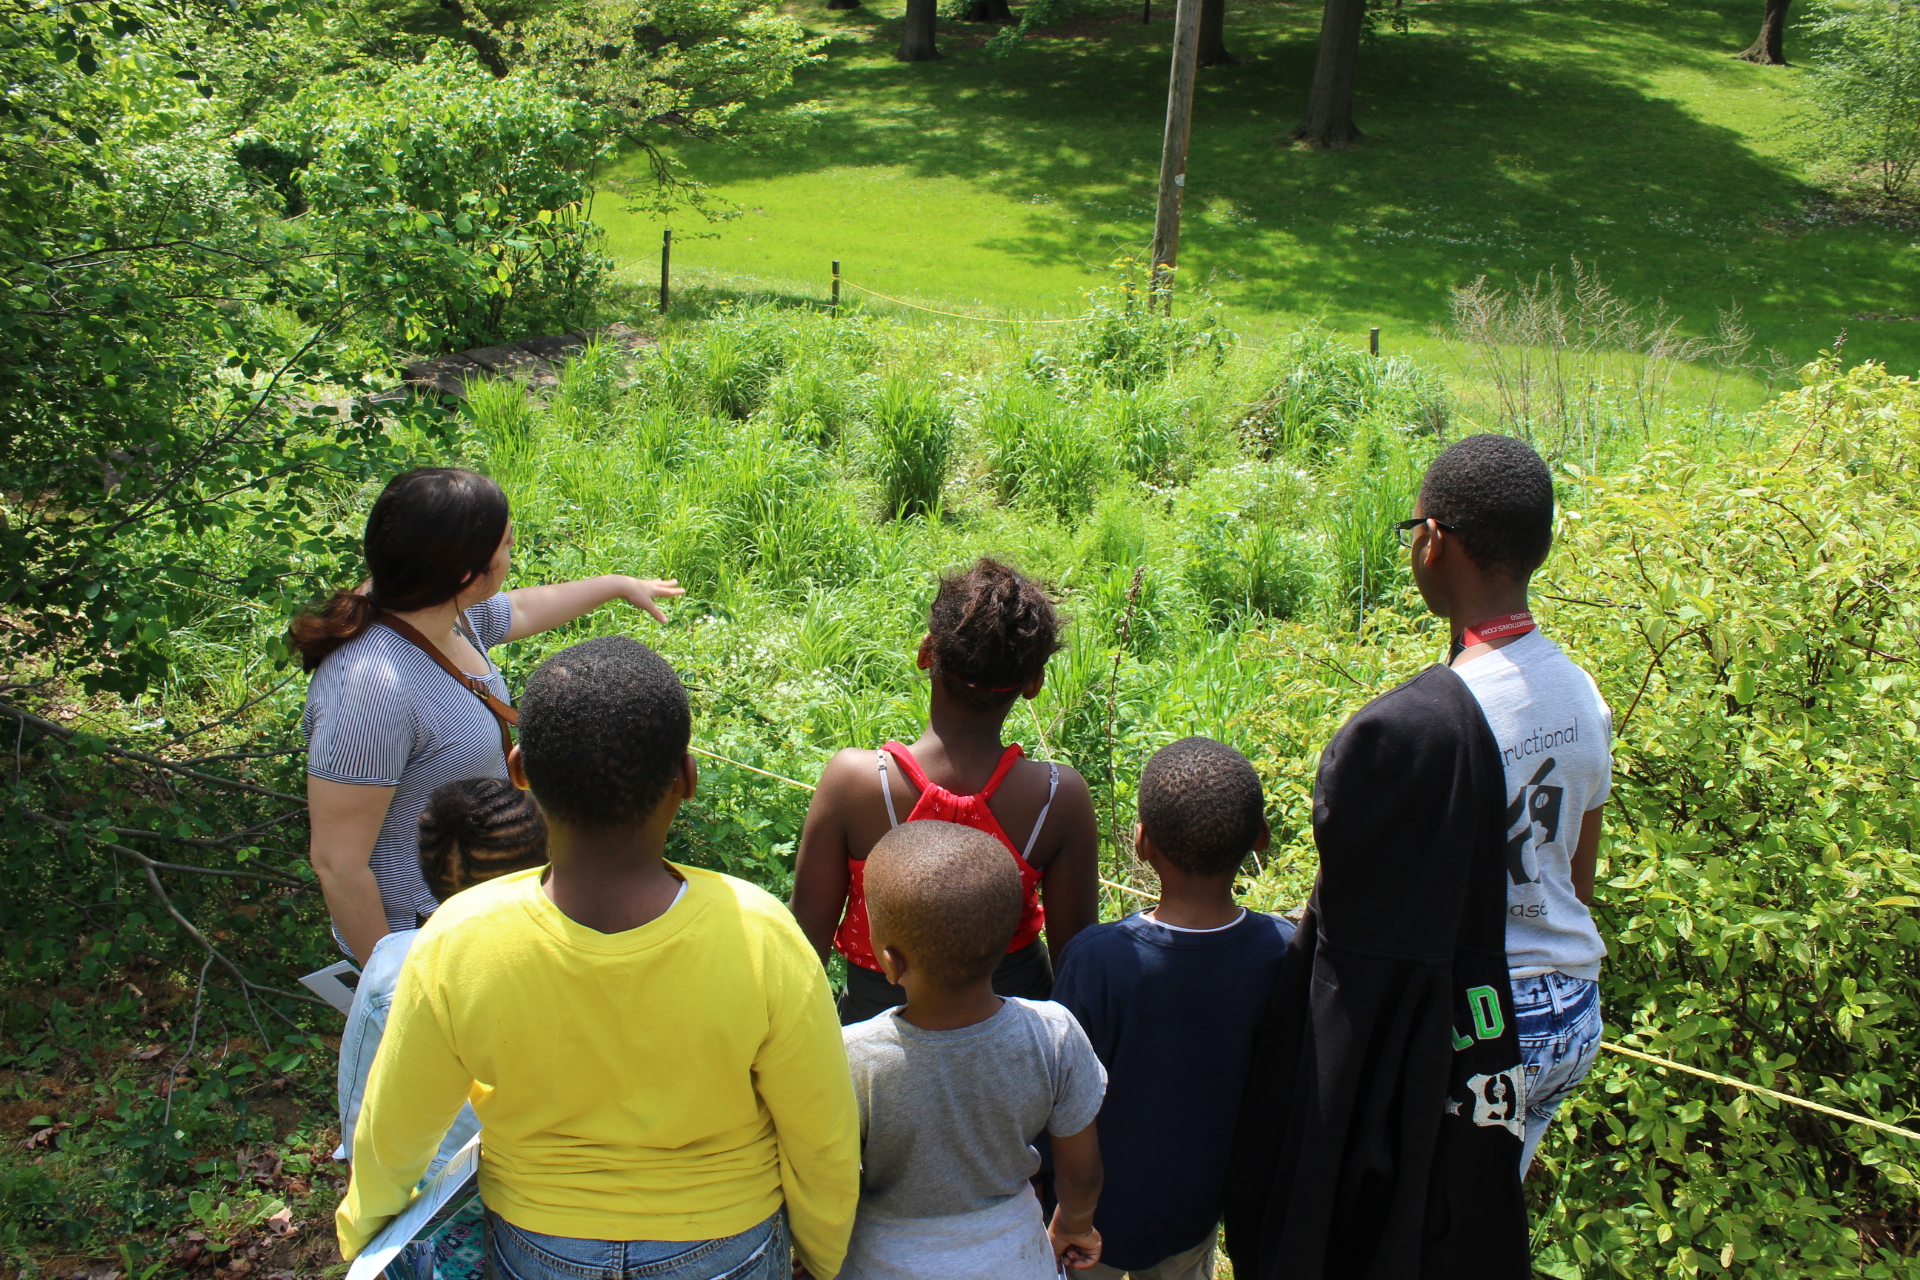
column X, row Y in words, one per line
column 1512, row 624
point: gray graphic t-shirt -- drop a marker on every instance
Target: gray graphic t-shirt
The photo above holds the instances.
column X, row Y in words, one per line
column 948, row 1118
column 1555, row 734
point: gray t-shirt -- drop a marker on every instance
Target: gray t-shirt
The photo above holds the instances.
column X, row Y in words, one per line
column 948, row 1118
column 382, row 713
column 1555, row 734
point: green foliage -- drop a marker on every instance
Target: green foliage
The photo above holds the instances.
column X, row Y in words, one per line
column 911, row 436
column 1750, row 621
column 1148, row 424
column 1863, row 88
column 652, row 71
column 1123, row 342
column 468, row 191
column 1043, row 451
column 1374, row 480
column 1241, row 565
column 1312, row 390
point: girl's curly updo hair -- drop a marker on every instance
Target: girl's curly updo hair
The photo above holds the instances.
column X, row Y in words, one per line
column 993, row 629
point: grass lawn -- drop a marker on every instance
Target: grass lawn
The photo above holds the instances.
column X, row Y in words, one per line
column 1504, row 138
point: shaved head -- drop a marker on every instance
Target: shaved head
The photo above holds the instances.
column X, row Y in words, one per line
column 947, row 897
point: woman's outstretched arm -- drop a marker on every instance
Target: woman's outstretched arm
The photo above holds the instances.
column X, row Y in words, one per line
column 537, row 609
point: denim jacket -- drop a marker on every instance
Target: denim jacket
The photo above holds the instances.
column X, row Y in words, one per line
column 366, row 1023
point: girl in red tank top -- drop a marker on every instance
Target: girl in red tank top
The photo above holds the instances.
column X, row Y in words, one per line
column 988, row 639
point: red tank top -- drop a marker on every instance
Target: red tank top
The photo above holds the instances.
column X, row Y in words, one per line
column 852, row 940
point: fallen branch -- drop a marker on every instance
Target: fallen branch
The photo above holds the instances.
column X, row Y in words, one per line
column 64, row 734
column 68, row 828
column 246, row 983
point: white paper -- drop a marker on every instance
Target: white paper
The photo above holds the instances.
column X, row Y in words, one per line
column 334, row 984
column 445, row 1194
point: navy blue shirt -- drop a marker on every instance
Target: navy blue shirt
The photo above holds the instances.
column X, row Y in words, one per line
column 1171, row 1014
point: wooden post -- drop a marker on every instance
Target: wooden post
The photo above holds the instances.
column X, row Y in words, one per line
column 1173, row 148
column 666, row 265
column 1373, row 340
column 836, row 286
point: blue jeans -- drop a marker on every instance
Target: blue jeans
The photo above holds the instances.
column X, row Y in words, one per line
column 366, row 1024
column 758, row 1253
column 1559, row 1021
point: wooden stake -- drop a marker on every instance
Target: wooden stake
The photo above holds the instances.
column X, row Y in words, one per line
column 666, row 265
column 1173, row 148
column 1373, row 340
column 836, row 286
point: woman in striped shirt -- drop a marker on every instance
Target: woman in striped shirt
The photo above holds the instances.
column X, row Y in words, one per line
column 385, row 723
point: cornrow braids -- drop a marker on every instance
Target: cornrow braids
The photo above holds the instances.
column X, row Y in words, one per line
column 993, row 630
column 478, row 829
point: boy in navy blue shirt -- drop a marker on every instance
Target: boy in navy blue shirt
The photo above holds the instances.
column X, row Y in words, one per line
column 1170, row 998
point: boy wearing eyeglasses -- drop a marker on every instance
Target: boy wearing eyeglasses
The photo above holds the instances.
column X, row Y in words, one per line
column 1441, row 999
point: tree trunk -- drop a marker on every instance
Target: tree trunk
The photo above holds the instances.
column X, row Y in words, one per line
column 1329, row 124
column 989, row 11
column 843, row 4
column 916, row 40
column 1769, row 49
column 1213, row 35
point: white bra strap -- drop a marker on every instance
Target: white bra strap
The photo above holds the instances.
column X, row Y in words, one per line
column 1053, row 785
column 886, row 790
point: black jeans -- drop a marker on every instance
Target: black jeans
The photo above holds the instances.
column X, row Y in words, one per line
column 1027, row 973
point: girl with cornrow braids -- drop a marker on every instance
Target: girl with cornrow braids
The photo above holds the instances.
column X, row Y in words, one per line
column 989, row 635
column 471, row 831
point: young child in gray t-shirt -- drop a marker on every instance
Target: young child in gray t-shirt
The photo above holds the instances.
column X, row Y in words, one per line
column 956, row 1084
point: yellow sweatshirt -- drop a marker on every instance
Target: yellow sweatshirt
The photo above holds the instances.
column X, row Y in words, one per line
column 679, row 1081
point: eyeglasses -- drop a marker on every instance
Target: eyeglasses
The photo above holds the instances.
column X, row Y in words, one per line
column 1406, row 527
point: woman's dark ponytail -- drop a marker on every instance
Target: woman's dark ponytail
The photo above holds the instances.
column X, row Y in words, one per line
column 317, row 634
column 429, row 534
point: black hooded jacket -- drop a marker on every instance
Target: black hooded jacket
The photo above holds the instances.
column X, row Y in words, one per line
column 1380, row 1133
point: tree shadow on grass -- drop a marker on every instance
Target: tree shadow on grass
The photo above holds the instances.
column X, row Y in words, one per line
column 1503, row 139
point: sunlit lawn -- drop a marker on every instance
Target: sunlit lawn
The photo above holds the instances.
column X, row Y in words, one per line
column 1505, row 138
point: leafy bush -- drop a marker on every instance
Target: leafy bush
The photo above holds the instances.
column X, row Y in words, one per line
column 1863, row 86
column 911, row 442
column 1123, row 343
column 1148, row 427
column 1374, row 480
column 469, row 190
column 1312, row 391
column 1751, row 622
column 1241, row 565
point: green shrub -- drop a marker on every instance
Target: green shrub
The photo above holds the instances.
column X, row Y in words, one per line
column 809, row 404
column 1312, row 390
column 1863, row 86
column 1122, row 343
column 1116, row 534
column 460, row 196
column 1147, row 426
column 1751, row 622
column 1043, row 451
column 1241, row 565
column 911, row 442
column 1374, row 481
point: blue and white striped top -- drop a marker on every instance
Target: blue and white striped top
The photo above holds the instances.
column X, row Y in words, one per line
column 381, row 713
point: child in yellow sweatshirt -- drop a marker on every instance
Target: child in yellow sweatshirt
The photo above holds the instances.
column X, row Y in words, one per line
column 651, row 1049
